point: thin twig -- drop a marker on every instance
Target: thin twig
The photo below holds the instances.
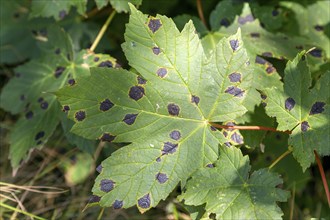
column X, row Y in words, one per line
column 324, row 180
column 292, row 201
column 102, row 31
column 248, row 128
column 280, row 158
column 200, row 12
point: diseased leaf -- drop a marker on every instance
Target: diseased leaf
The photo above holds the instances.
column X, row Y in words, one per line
column 231, row 193
column 164, row 112
column 303, row 110
column 56, row 9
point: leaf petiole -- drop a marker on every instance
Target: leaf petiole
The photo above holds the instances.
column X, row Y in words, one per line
column 280, row 158
column 248, row 128
column 324, row 180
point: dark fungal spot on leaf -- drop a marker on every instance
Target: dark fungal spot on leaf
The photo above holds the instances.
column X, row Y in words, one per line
column 195, row 99
column 304, row 126
column 161, row 177
column 156, row 50
column 154, row 24
column 158, row 159
column 94, row 199
column 162, row 72
column 71, row 82
column 58, row 51
column 263, row 96
column 225, row 133
column 62, row 14
column 173, row 109
column 22, row 97
column 264, row 104
column 130, row 118
column 106, row 185
column 235, row 91
column 224, row 22
column 235, row 77
column 270, row 69
column 255, row 35
column 237, row 138
column 230, row 124
column 106, row 105
column 210, row 165
column 267, row 54
column 318, row 28
column 80, row 115
column 107, row 137
column 234, row 44
column 106, row 63
column 66, row 108
column 289, row 103
column 317, row 108
column 175, row 135
column 169, row 148
column 96, row 59
column 44, row 105
column 275, row 12
column 99, row 168
column 303, row 58
column 29, row 115
column 141, row 81
column 213, row 216
column 136, row 92
column 228, row 144
column 39, row 135
column 40, row 99
column 58, row 71
column 213, row 128
column 244, row 20
column 260, row 60
column 316, row 53
column 117, row 204
column 144, row 202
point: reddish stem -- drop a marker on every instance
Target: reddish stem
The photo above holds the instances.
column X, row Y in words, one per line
column 200, row 12
column 248, row 128
column 324, row 180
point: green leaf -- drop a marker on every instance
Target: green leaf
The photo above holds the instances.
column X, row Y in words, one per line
column 164, row 113
column 56, row 9
column 118, row 5
column 181, row 20
column 231, row 193
column 303, row 110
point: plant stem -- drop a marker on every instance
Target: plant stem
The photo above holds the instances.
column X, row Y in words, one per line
column 20, row 211
column 248, row 128
column 280, row 158
column 102, row 31
column 292, row 201
column 324, row 180
column 200, row 12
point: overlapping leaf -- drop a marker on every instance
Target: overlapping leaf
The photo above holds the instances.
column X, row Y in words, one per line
column 303, row 110
column 230, row 192
column 118, row 5
column 29, row 93
column 164, row 112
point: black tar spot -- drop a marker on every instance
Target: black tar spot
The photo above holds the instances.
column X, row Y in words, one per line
column 161, row 177
column 267, row 54
column 289, row 103
column 94, row 199
column 175, row 135
column 260, row 60
column 318, row 28
column 106, row 105
column 62, row 14
column 237, row 138
column 136, row 92
column 66, row 108
column 29, row 115
column 228, row 144
column 162, row 72
column 156, row 50
column 144, row 202
column 225, row 133
column 40, row 99
column 117, row 204
column 213, row 128
column 141, row 81
column 107, row 137
column 169, row 148
column 235, row 91
column 317, row 108
column 224, row 22
column 234, row 44
column 173, row 109
column 316, row 53
column 154, row 24
column 158, row 159
column 195, row 99
column 96, row 59
column 71, row 82
column 130, row 118
column 235, row 77
column 39, row 135
column 80, row 115
column 58, row 51
column 304, row 126
column 263, row 96
column 58, row 72
column 106, row 185
column 210, row 165
column 255, row 35
column 99, row 168
column 44, row 105
column 106, row 63
column 270, row 69
column 244, row 20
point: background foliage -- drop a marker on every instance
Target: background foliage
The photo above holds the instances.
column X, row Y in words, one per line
column 44, row 51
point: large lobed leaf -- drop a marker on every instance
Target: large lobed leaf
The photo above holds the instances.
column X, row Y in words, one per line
column 164, row 112
column 231, row 193
column 303, row 110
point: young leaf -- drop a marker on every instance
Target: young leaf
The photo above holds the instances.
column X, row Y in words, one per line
column 231, row 193
column 164, row 112
column 303, row 110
